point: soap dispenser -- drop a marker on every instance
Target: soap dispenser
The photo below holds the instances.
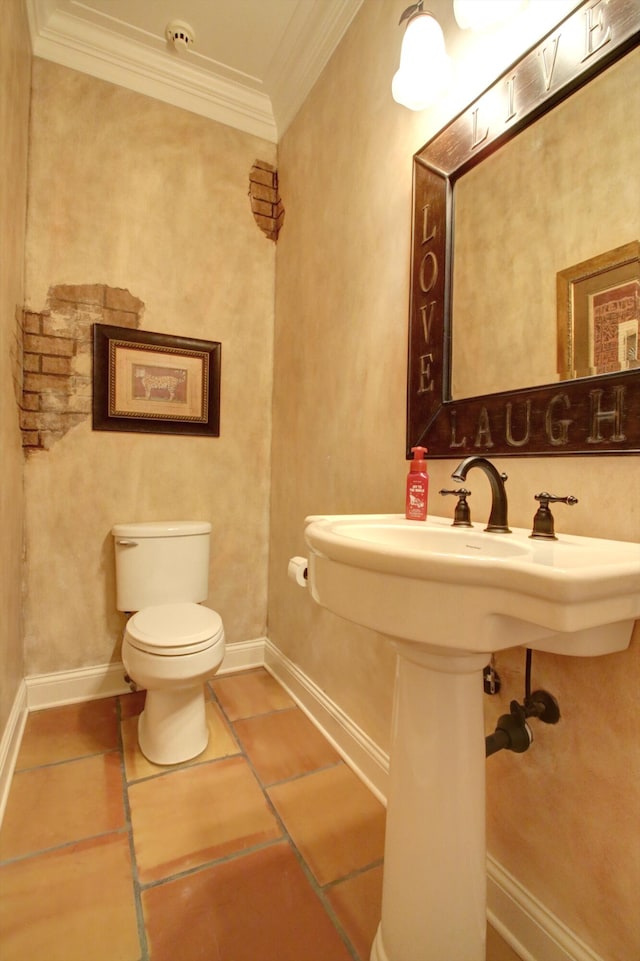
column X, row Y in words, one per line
column 417, row 487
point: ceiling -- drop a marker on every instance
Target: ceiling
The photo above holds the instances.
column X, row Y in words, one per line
column 251, row 65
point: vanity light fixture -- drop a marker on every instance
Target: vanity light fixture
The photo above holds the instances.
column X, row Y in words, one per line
column 425, row 68
column 485, row 14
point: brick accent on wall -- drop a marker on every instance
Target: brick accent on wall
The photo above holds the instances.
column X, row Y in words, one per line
column 57, row 357
column 266, row 205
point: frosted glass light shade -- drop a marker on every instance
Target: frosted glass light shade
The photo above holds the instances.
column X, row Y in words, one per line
column 425, row 68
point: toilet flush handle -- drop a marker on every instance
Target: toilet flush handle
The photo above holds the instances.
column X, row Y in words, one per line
column 126, row 543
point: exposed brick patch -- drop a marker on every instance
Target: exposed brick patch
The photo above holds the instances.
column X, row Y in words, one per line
column 56, row 349
column 42, row 346
column 266, row 205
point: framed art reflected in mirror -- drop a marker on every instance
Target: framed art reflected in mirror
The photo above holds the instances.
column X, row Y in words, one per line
column 599, row 314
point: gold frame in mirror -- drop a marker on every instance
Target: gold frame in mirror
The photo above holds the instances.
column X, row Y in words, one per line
column 599, row 314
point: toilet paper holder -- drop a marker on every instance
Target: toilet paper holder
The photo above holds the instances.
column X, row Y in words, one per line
column 298, row 570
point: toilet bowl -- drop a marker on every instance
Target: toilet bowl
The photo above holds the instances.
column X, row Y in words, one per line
column 171, row 644
column 171, row 650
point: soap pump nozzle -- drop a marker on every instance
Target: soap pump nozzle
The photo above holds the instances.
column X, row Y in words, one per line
column 419, row 463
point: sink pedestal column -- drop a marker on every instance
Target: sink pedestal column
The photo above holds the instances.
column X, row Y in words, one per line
column 434, row 887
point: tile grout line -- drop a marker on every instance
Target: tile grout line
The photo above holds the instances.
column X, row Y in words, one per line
column 66, row 760
column 378, row 863
column 168, row 770
column 41, row 852
column 135, row 881
column 298, row 777
column 249, row 717
column 207, row 865
column 316, row 887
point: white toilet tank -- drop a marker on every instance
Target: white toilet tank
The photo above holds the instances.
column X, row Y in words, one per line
column 161, row 562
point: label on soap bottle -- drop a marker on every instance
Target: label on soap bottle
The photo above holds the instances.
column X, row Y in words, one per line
column 416, row 504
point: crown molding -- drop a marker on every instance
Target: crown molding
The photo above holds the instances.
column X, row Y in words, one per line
column 314, row 32
column 310, row 40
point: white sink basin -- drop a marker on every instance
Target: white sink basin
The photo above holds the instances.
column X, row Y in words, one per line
column 466, row 590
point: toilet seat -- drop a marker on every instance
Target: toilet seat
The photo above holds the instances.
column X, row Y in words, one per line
column 174, row 629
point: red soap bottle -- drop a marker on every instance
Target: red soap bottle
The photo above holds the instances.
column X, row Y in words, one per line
column 417, row 487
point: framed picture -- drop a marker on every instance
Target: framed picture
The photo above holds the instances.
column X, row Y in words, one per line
column 599, row 314
column 155, row 383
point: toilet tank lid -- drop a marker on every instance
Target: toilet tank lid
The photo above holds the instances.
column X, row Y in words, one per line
column 161, row 529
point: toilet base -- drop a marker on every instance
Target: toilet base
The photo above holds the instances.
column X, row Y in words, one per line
column 173, row 726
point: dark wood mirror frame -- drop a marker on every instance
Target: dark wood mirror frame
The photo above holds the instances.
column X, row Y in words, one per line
column 591, row 415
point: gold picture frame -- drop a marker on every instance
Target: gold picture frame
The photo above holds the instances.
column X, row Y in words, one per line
column 150, row 382
column 598, row 310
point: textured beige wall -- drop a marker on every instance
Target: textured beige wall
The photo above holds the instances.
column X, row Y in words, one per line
column 132, row 193
column 15, row 72
column 563, row 817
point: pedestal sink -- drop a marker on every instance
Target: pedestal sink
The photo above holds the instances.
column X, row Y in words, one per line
column 447, row 598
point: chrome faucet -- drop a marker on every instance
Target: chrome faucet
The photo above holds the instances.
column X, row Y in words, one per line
column 498, row 518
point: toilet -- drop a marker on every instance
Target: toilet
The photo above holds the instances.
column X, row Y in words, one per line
column 171, row 643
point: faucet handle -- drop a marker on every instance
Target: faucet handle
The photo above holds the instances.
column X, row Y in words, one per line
column 543, row 528
column 462, row 514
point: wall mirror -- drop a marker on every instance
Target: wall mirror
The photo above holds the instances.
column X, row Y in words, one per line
column 525, row 289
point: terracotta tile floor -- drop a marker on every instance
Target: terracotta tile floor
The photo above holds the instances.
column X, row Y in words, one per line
column 264, row 848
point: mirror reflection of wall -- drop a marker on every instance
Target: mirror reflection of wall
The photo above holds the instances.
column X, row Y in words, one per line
column 565, row 190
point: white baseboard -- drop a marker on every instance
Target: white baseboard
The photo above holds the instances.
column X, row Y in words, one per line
column 10, row 743
column 243, row 655
column 533, row 932
column 71, row 687
column 363, row 755
column 107, row 680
